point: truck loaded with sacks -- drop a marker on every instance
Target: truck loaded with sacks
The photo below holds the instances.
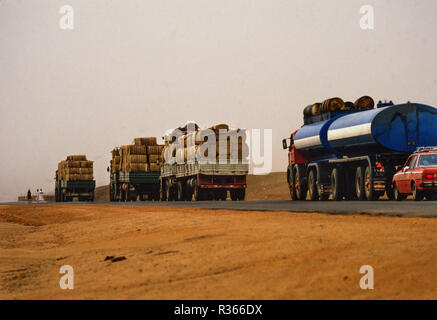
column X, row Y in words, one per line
column 204, row 164
column 74, row 179
column 135, row 171
column 351, row 151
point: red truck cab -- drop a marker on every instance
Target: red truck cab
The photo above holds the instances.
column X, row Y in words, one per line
column 418, row 176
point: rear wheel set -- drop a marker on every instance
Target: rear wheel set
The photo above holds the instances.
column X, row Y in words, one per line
column 238, row 194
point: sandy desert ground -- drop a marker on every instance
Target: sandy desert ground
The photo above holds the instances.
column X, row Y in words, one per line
column 175, row 253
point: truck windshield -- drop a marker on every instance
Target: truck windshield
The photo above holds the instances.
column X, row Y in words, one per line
column 427, row 160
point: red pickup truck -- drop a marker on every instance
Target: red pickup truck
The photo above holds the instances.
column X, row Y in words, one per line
column 418, row 176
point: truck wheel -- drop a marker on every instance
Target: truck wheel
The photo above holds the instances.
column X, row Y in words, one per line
column 180, row 191
column 337, row 185
column 370, row 192
column 189, row 195
column 188, row 192
column 291, row 183
column 132, row 196
column 241, row 194
column 359, row 184
column 390, row 193
column 197, row 194
column 220, row 194
column 301, row 183
column 162, row 192
column 234, row 194
column 169, row 193
column 156, row 195
column 312, row 186
column 417, row 194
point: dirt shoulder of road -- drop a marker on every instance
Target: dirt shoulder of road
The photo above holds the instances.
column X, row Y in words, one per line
column 185, row 253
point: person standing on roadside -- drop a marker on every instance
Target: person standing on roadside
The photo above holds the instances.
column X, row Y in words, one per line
column 40, row 195
column 29, row 195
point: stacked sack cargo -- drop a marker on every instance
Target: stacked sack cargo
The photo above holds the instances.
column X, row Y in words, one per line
column 134, row 158
column 115, row 161
column 144, row 155
column 75, row 168
column 235, row 144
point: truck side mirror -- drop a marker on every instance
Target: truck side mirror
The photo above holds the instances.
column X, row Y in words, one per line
column 405, row 168
column 284, row 144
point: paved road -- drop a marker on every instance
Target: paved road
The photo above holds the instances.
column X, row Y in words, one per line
column 389, row 208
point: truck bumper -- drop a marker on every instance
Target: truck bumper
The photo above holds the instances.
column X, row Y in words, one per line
column 227, row 186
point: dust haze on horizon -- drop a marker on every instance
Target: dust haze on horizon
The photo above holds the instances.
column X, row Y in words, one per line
column 138, row 68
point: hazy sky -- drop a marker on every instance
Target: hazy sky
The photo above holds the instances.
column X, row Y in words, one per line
column 137, row 68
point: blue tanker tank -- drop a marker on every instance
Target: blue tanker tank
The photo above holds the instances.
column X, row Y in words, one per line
column 313, row 138
column 394, row 129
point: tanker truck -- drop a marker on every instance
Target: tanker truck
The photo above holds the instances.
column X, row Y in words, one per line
column 351, row 151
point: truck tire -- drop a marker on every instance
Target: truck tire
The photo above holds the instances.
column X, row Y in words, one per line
column 233, row 194
column 390, row 193
column 291, row 182
column 169, row 192
column 197, row 193
column 180, row 191
column 241, row 194
column 337, row 184
column 132, row 195
column 369, row 190
column 162, row 191
column 111, row 193
column 312, row 186
column 220, row 194
column 417, row 194
column 359, row 184
column 156, row 195
column 188, row 195
column 301, row 185
column 238, row 194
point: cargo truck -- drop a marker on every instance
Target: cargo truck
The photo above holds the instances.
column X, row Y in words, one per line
column 135, row 171
column 203, row 180
column 74, row 179
column 130, row 186
column 183, row 182
column 66, row 190
column 351, row 151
